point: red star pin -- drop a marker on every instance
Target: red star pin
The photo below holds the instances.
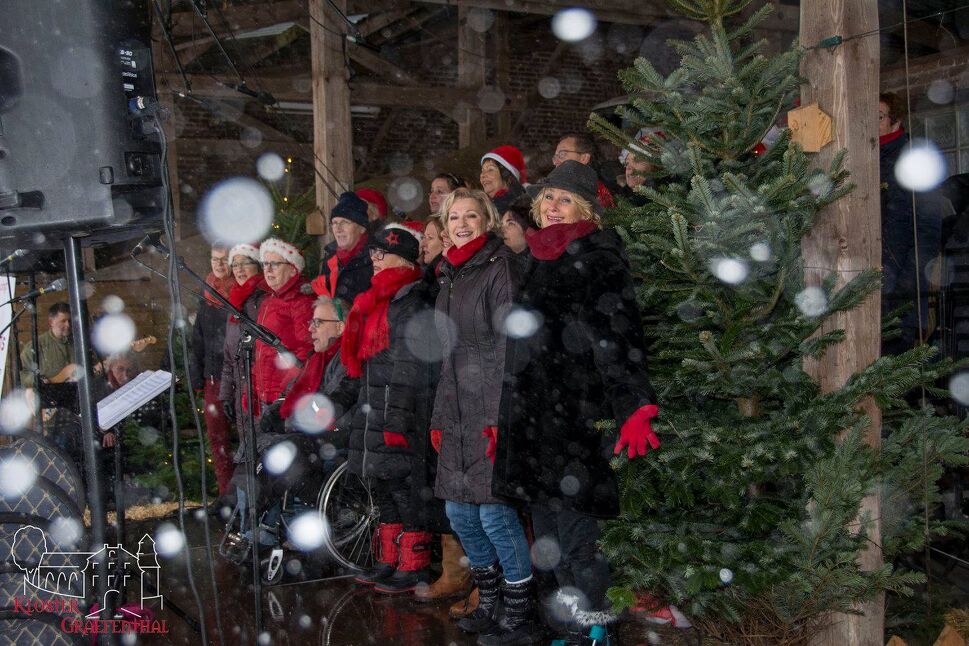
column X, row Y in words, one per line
column 392, row 239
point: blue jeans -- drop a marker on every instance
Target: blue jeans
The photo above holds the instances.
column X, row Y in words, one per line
column 491, row 533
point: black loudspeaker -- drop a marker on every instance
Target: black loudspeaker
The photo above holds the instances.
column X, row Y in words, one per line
column 78, row 152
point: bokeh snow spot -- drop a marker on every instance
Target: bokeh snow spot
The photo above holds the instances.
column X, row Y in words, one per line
column 236, row 210
column 113, row 333
column 573, row 24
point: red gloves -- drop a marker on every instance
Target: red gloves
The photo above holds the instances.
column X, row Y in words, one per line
column 491, row 432
column 637, row 431
column 396, row 440
column 436, row 439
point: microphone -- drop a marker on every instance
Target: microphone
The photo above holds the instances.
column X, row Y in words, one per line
column 55, row 286
column 152, row 242
column 19, row 253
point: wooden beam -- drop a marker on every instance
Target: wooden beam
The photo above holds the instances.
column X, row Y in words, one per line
column 846, row 240
column 378, row 21
column 240, row 18
column 380, row 65
column 332, row 133
column 298, row 89
column 283, row 88
column 410, row 23
column 636, row 12
column 235, row 148
column 472, row 75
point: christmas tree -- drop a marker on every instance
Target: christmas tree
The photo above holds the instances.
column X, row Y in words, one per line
column 746, row 516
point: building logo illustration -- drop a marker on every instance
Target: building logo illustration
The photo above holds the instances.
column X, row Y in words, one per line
column 74, row 574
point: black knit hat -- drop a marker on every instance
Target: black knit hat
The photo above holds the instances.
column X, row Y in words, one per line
column 574, row 177
column 398, row 239
column 351, row 207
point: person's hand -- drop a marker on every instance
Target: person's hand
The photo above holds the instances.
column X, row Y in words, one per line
column 396, row 440
column 491, row 432
column 436, row 436
column 637, row 432
column 107, row 440
column 229, row 410
column 98, row 368
column 70, row 372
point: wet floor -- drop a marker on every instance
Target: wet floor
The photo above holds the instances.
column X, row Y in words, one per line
column 316, row 603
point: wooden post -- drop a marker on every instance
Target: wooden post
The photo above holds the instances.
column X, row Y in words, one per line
column 332, row 133
column 847, row 239
column 471, row 74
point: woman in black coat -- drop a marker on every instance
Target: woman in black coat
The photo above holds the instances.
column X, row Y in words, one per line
column 389, row 345
column 478, row 281
column 576, row 355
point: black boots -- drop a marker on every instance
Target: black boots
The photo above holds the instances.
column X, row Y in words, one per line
column 518, row 626
column 484, row 618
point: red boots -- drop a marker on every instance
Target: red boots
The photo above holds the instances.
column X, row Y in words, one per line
column 386, row 554
column 413, row 567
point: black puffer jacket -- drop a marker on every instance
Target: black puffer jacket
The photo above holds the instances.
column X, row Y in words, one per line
column 208, row 338
column 353, row 278
column 474, row 299
column 395, row 391
column 585, row 362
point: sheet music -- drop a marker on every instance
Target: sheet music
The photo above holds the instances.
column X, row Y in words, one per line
column 132, row 396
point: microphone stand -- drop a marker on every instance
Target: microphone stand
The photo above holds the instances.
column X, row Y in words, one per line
column 251, row 332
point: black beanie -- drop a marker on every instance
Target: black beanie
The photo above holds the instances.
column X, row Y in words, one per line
column 351, row 207
column 397, row 239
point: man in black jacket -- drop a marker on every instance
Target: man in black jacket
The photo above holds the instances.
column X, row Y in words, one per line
column 346, row 269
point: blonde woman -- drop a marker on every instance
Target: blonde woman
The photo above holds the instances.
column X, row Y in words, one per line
column 477, row 286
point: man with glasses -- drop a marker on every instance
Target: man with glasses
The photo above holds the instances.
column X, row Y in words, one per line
column 346, row 268
column 581, row 148
column 205, row 362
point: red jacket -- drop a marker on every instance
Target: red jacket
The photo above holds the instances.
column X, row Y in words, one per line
column 287, row 314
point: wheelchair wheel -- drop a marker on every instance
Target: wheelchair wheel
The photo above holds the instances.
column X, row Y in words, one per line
column 349, row 512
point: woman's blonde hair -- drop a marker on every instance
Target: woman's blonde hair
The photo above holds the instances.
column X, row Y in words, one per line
column 582, row 205
column 488, row 211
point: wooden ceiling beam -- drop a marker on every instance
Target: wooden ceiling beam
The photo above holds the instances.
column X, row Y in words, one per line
column 380, row 65
column 377, row 21
column 240, row 18
column 636, row 12
column 297, row 88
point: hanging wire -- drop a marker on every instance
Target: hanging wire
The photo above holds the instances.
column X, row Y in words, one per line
column 834, row 41
column 918, row 305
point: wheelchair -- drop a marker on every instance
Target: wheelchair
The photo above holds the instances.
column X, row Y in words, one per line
column 342, row 501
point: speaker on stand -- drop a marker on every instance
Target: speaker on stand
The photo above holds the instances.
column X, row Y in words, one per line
column 80, row 161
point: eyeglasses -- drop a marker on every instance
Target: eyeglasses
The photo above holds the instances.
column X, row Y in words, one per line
column 240, row 265
column 273, row 264
column 315, row 323
column 560, row 154
column 377, row 254
column 219, row 261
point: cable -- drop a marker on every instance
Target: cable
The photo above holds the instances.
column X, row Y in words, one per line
column 834, row 41
column 176, row 313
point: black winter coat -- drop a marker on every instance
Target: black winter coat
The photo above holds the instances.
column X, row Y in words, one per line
column 474, row 300
column 234, row 378
column 353, row 278
column 586, row 362
column 395, row 393
column 208, row 338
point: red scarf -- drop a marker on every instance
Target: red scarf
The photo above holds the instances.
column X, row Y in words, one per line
column 221, row 285
column 890, row 137
column 550, row 242
column 343, row 257
column 309, row 378
column 368, row 330
column 457, row 256
column 239, row 294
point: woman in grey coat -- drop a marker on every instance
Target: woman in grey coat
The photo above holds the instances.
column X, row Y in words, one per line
column 477, row 286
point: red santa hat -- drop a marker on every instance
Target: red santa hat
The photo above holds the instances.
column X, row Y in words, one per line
column 417, row 228
column 374, row 197
column 245, row 249
column 644, row 135
column 289, row 252
column 511, row 158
